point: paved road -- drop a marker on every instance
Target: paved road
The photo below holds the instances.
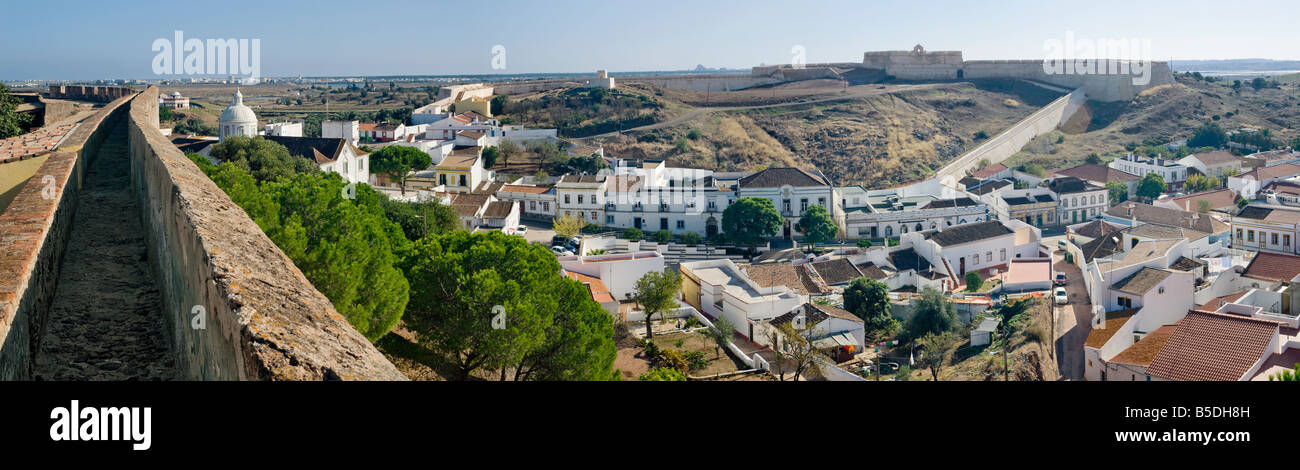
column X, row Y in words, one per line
column 697, row 112
column 1073, row 321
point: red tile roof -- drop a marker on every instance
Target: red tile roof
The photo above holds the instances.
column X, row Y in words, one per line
column 1273, row 267
column 1271, row 172
column 599, row 292
column 989, row 171
column 1212, row 346
column 1217, row 198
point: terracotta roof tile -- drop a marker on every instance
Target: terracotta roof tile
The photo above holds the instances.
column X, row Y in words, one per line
column 1114, row 320
column 1273, row 267
column 1211, row 346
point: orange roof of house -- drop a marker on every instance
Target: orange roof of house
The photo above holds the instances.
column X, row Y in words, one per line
column 517, row 188
column 599, row 292
column 1212, row 346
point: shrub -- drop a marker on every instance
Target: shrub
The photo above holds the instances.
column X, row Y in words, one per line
column 633, row 234
column 691, row 238
column 718, row 239
column 663, row 374
column 673, row 358
column 663, row 236
column 892, row 242
column 864, row 243
column 1039, row 333
column 973, row 281
column 696, row 360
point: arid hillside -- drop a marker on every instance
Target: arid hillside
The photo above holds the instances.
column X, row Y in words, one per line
column 895, row 135
column 1165, row 114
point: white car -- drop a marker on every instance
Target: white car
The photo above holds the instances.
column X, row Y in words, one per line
column 1060, row 296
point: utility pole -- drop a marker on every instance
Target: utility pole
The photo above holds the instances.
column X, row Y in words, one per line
column 1006, row 343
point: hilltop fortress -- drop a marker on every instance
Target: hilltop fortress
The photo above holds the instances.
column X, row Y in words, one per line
column 1100, row 80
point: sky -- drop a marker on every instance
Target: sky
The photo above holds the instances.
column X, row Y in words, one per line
column 82, row 40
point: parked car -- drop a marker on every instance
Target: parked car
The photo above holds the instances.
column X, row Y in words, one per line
column 1060, row 296
column 1060, row 279
column 521, row 230
column 561, row 251
column 565, row 243
column 1061, row 243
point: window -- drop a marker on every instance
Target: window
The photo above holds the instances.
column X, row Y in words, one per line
column 1161, row 290
column 785, row 205
column 594, row 215
column 462, row 180
column 1275, row 239
column 442, row 179
column 988, row 257
column 803, row 204
column 821, row 201
column 681, row 224
column 579, row 199
column 1239, row 234
column 1250, row 235
column 532, row 205
column 566, row 198
column 546, row 206
column 1286, row 240
column 975, row 259
column 609, row 220
column 1003, row 256
column 919, row 227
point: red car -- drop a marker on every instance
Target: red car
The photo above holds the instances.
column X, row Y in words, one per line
column 1060, row 279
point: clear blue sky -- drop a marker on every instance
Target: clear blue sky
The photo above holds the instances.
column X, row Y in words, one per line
column 50, row 39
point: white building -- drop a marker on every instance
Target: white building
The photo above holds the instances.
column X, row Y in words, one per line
column 618, row 274
column 237, row 119
column 174, row 101
column 985, row 247
column 349, row 130
column 1174, row 173
column 332, row 155
column 652, row 196
column 284, row 129
column 719, row 288
column 602, row 80
column 792, row 191
column 581, row 196
column 888, row 213
column 1080, row 201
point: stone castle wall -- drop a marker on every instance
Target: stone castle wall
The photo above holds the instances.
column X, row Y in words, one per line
column 1104, row 85
column 34, row 231
column 264, row 320
column 89, row 93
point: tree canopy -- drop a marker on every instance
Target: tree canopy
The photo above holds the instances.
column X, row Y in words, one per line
column 12, row 122
column 932, row 313
column 1117, row 191
column 398, row 161
column 817, row 225
column 265, row 160
column 552, row 329
column 750, row 220
column 869, row 300
column 422, row 218
column 1209, row 135
column 656, row 292
column 346, row 247
column 1151, row 186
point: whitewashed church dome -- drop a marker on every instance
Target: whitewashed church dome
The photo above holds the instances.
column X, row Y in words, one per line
column 237, row 119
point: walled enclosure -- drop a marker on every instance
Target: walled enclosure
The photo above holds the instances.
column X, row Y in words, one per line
column 263, row 319
column 34, row 231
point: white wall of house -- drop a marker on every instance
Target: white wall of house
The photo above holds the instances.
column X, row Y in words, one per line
column 619, row 272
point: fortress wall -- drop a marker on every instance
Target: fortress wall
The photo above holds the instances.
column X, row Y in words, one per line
column 264, row 320
column 1002, row 146
column 706, row 83
column 34, row 231
column 89, row 93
